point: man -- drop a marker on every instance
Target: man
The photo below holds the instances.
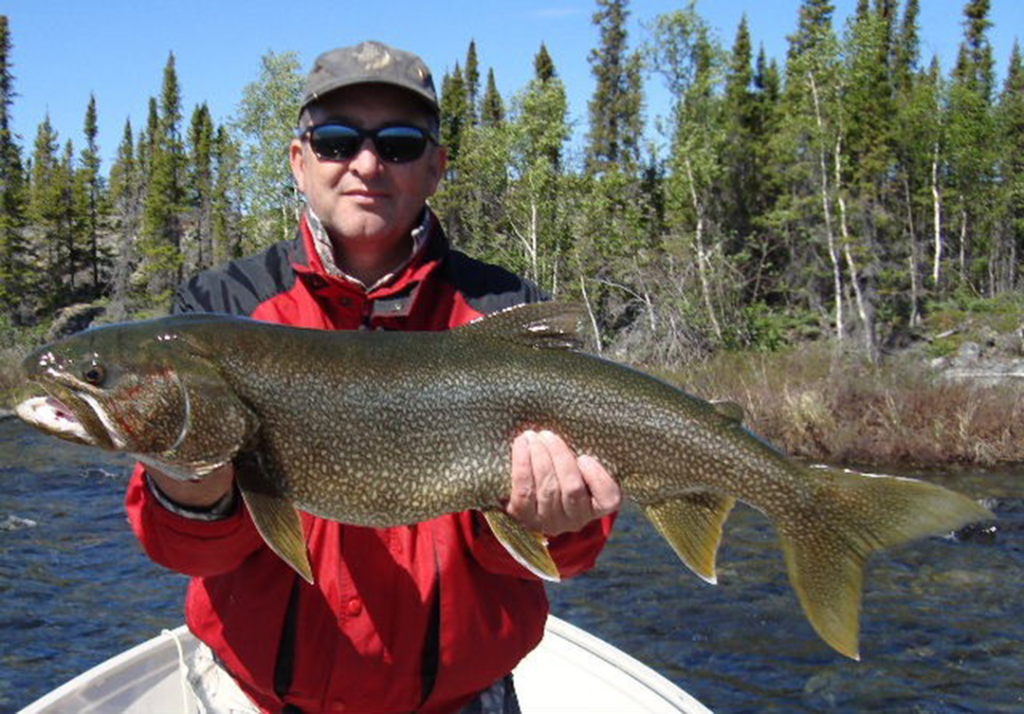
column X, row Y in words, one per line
column 426, row 617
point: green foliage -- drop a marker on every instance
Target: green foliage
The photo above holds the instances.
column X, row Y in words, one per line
column 263, row 129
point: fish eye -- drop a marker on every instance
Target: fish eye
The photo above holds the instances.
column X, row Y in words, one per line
column 94, row 374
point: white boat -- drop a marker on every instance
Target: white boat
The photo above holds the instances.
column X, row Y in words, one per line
column 571, row 671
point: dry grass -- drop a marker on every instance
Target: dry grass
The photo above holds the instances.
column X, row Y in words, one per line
column 813, row 405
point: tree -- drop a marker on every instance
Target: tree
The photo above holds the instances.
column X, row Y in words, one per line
column 455, row 114
column 263, row 129
column 616, row 124
column 199, row 190
column 492, row 109
column 93, row 192
column 126, row 196
column 971, row 133
column 161, row 221
column 1011, row 141
column 14, row 268
column 471, row 77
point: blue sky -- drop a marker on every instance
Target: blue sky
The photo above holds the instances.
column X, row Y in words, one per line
column 66, row 49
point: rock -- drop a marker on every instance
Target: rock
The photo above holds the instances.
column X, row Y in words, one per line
column 969, row 353
column 73, row 318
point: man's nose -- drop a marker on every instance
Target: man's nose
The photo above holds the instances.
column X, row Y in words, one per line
column 366, row 161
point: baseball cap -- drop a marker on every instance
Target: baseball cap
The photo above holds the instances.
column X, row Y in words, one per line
column 370, row 63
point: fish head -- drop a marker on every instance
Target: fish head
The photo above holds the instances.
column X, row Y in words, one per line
column 142, row 388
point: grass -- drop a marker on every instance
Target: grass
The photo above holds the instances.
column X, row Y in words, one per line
column 813, row 405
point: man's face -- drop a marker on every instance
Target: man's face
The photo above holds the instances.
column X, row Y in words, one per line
column 368, row 205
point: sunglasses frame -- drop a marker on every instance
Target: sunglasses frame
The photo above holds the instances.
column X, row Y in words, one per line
column 374, row 135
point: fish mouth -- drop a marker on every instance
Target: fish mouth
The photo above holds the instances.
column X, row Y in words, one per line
column 70, row 416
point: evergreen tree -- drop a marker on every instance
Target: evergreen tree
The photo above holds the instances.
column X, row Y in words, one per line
column 93, row 193
column 46, row 210
column 226, row 218
column 471, row 77
column 971, row 134
column 616, row 124
column 161, row 221
column 126, row 194
column 1011, row 149
column 455, row 114
column 14, row 268
column 543, row 65
column 492, row 109
column 907, row 53
column 198, row 194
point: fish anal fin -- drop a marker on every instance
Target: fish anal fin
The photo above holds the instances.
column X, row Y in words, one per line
column 275, row 517
column 692, row 524
column 542, row 325
column 529, row 548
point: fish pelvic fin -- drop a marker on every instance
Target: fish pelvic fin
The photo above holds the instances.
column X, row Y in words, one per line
column 856, row 515
column 541, row 325
column 275, row 517
column 529, row 548
column 692, row 524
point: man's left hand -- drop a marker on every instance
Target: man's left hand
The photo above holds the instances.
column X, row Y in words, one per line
column 555, row 491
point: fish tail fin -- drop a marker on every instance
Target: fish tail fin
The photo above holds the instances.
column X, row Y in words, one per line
column 529, row 548
column 854, row 515
column 692, row 525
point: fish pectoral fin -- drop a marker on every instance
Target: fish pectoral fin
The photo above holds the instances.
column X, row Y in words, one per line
column 692, row 524
column 529, row 548
column 275, row 517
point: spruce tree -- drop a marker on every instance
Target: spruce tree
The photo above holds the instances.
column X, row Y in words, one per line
column 492, row 108
column 455, row 113
column 45, row 210
column 161, row 224
column 198, row 194
column 126, row 193
column 616, row 124
column 14, row 268
column 471, row 77
column 93, row 190
column 1011, row 149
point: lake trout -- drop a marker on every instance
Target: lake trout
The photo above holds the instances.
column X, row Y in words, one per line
column 389, row 428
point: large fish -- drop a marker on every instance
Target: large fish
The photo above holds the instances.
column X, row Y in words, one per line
column 388, row 428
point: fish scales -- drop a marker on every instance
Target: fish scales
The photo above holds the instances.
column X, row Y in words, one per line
column 382, row 429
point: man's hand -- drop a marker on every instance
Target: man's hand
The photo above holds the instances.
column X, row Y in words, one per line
column 196, row 494
column 553, row 490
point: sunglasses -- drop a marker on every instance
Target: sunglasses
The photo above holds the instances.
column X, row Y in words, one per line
column 394, row 144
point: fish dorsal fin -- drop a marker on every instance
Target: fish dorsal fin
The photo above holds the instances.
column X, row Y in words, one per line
column 730, row 410
column 692, row 524
column 275, row 517
column 542, row 325
column 527, row 547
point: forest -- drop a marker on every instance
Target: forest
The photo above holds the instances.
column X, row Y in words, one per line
column 841, row 192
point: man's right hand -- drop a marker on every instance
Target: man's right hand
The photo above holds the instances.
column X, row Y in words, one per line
column 195, row 494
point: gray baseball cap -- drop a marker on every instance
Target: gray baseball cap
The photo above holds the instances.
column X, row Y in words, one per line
column 370, row 63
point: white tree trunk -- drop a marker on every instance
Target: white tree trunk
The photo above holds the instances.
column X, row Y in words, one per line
column 833, row 253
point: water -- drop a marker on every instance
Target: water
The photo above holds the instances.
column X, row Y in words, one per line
column 942, row 628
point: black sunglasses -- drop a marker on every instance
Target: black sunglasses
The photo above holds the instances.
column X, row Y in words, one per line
column 394, row 144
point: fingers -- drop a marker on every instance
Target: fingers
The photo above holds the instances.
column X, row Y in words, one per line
column 555, row 492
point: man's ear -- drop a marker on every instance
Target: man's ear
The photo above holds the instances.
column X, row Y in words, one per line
column 438, row 166
column 297, row 160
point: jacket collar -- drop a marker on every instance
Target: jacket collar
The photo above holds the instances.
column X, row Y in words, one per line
column 313, row 259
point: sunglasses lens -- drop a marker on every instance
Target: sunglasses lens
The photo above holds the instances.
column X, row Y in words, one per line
column 399, row 144
column 335, row 142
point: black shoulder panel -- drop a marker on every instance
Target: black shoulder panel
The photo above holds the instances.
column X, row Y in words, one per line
column 239, row 286
column 488, row 288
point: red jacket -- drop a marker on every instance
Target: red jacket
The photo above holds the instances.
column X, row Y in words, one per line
column 414, row 618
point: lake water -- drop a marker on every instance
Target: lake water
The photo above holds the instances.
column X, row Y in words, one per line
column 942, row 628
